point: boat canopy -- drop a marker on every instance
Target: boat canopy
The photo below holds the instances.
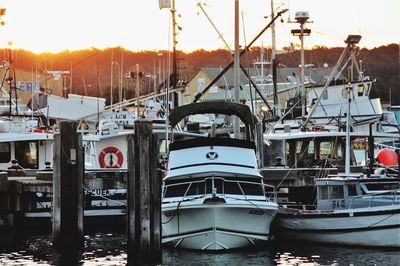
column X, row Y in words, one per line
column 213, row 107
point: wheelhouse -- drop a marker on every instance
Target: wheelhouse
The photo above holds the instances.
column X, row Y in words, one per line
column 356, row 192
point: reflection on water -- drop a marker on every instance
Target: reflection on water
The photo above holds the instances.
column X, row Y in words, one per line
column 109, row 249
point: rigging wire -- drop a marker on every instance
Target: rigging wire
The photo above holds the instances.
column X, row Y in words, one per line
column 248, row 65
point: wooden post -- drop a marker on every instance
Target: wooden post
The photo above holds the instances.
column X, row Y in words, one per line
column 144, row 196
column 260, row 144
column 68, row 162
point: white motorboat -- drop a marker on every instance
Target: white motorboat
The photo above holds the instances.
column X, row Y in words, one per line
column 213, row 196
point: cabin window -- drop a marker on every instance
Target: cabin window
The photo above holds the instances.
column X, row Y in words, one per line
column 352, row 190
column 163, row 148
column 344, row 93
column 337, row 192
column 273, row 150
column 360, row 90
column 5, row 155
column 252, row 189
column 26, row 152
column 368, row 87
column 195, row 189
column 382, row 186
column 325, row 95
column 389, row 118
column 305, row 153
column 176, row 191
column 232, row 188
column 330, row 150
column 323, row 192
column 325, row 149
column 218, row 184
column 201, row 85
column 359, row 143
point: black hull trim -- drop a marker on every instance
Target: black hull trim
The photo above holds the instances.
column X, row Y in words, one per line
column 335, row 215
column 203, row 164
column 341, row 230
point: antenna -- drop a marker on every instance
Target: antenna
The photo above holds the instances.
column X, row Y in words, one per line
column 302, row 17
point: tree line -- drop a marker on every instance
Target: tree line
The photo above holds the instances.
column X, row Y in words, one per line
column 91, row 68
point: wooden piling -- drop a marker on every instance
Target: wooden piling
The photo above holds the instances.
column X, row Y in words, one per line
column 260, row 144
column 144, row 196
column 68, row 163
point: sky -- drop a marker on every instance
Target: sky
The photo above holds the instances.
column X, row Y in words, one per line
column 57, row 25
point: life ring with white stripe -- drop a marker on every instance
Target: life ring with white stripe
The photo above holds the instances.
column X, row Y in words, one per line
column 111, row 157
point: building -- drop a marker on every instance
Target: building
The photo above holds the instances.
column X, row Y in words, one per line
column 28, row 83
column 288, row 81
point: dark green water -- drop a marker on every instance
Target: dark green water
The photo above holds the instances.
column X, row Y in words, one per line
column 109, row 249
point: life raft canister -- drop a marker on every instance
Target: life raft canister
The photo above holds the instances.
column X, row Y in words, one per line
column 111, row 157
column 387, row 157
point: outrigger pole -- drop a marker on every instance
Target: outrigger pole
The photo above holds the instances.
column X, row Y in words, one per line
column 227, row 67
column 351, row 42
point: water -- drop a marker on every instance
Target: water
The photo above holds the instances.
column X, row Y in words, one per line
column 109, row 249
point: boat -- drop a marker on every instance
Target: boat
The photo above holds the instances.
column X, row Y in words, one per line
column 213, row 196
column 297, row 151
column 351, row 209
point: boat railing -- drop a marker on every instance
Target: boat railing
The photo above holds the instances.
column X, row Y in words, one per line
column 238, row 182
column 395, row 193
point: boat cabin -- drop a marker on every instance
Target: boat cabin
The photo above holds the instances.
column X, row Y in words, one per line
column 355, row 192
column 213, row 165
column 30, row 150
column 320, row 148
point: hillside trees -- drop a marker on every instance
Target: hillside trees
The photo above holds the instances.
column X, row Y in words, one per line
column 91, row 68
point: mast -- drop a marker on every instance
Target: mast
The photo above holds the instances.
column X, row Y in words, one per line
column 174, row 59
column 347, row 156
column 137, row 92
column 303, row 89
column 273, row 36
column 111, row 90
column 274, row 63
column 236, row 73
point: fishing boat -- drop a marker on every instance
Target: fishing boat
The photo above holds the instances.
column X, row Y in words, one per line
column 351, row 209
column 213, row 196
column 301, row 148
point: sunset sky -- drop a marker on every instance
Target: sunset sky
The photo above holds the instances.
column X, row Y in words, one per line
column 56, row 25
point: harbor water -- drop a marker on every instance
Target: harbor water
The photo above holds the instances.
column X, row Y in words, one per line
column 109, row 249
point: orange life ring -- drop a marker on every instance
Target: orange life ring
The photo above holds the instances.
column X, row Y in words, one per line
column 111, row 151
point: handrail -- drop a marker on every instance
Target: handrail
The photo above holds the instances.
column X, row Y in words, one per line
column 372, row 195
column 225, row 180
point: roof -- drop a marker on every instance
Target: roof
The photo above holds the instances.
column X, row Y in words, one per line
column 318, row 75
column 211, row 107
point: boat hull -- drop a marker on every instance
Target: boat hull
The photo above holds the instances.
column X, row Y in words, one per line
column 217, row 226
column 369, row 228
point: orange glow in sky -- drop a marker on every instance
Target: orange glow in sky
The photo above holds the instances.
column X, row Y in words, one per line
column 56, row 25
